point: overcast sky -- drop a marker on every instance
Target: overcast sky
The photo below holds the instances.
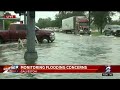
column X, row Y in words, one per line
column 40, row 14
column 51, row 14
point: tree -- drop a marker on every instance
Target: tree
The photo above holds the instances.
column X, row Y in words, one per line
column 78, row 13
column 66, row 14
column 7, row 23
column 117, row 22
column 43, row 23
column 101, row 18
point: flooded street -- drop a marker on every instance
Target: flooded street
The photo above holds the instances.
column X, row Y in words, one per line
column 68, row 49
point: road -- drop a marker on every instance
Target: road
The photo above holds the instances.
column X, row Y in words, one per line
column 68, row 49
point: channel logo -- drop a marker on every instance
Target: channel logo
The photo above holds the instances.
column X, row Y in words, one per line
column 107, row 71
column 11, row 69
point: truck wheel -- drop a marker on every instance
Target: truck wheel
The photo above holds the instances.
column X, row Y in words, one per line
column 74, row 32
column 47, row 38
column 115, row 34
column 1, row 40
column 66, row 32
column 88, row 33
column 52, row 41
column 108, row 33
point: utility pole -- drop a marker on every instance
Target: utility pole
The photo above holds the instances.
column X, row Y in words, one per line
column 30, row 54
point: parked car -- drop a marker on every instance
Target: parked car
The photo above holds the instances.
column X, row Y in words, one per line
column 17, row 31
column 112, row 30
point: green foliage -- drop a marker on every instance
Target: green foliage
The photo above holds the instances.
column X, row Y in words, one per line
column 101, row 18
column 42, row 23
column 96, row 34
column 98, row 19
column 93, row 27
column 7, row 23
column 115, row 22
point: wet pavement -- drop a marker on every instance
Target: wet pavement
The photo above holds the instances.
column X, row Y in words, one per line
column 68, row 49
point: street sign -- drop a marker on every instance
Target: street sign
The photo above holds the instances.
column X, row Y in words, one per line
column 9, row 16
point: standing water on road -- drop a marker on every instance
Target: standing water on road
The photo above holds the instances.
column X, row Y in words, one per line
column 68, row 49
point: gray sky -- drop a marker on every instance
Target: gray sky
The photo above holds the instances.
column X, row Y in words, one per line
column 40, row 14
column 51, row 14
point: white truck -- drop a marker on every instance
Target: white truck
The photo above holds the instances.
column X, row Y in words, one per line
column 76, row 24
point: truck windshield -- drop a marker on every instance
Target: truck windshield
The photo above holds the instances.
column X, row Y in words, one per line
column 83, row 24
column 37, row 28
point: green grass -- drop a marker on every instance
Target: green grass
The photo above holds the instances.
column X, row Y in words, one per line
column 96, row 33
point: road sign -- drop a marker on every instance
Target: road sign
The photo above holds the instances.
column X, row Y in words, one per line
column 9, row 16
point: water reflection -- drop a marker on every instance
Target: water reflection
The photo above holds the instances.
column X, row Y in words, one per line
column 93, row 51
column 30, row 61
column 30, row 76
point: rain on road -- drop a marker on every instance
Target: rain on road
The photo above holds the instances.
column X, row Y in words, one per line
column 68, row 49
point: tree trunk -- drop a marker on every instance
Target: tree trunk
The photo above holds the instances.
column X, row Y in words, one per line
column 98, row 29
column 101, row 30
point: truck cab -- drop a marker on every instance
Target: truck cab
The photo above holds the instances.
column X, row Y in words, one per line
column 83, row 25
column 76, row 24
column 17, row 31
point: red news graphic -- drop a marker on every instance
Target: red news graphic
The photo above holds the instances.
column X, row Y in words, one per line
column 58, row 68
column 9, row 16
column 9, row 68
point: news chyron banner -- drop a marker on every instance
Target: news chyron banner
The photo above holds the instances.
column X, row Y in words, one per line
column 106, row 70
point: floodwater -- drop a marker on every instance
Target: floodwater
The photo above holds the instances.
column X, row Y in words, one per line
column 68, row 49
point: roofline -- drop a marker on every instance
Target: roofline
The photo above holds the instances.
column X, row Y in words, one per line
column 10, row 18
column 16, row 24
